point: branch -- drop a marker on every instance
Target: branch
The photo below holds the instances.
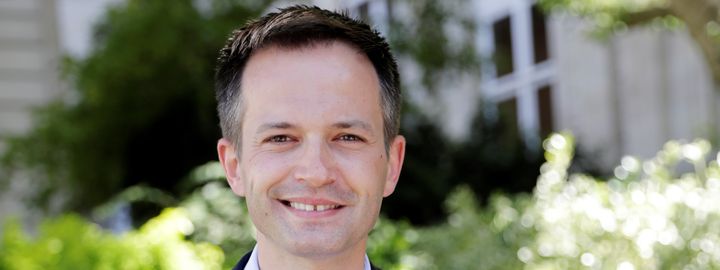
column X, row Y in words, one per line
column 645, row 16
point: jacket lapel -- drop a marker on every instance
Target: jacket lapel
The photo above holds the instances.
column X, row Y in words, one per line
column 241, row 264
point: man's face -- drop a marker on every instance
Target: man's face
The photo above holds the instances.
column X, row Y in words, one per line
column 313, row 165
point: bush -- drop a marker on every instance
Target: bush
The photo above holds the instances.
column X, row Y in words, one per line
column 70, row 242
column 651, row 215
column 657, row 214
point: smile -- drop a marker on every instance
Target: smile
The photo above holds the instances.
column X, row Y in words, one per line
column 311, row 207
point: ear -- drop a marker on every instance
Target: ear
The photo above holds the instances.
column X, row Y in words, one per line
column 396, row 155
column 230, row 162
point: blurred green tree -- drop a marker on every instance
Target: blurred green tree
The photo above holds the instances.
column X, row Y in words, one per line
column 142, row 109
column 438, row 36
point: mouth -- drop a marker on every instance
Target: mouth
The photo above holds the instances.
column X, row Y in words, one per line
column 311, row 207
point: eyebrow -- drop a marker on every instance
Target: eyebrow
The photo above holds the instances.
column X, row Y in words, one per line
column 339, row 125
column 353, row 123
column 277, row 125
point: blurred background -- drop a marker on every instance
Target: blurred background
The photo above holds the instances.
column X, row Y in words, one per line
column 108, row 132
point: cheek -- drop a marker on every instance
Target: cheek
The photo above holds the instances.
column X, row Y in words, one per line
column 364, row 172
column 264, row 170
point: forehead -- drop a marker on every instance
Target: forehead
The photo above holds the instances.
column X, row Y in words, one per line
column 327, row 78
column 335, row 52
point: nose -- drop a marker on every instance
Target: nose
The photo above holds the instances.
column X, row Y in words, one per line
column 315, row 166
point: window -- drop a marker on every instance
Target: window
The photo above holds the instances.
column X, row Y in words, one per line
column 540, row 46
column 519, row 40
column 503, row 56
column 544, row 98
column 508, row 120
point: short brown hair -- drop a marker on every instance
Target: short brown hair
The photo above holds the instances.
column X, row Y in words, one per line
column 296, row 27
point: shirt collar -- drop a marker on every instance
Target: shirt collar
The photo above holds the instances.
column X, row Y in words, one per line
column 254, row 264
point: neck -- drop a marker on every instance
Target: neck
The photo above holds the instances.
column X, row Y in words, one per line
column 272, row 257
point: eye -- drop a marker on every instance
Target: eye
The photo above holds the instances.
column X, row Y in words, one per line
column 278, row 139
column 350, row 138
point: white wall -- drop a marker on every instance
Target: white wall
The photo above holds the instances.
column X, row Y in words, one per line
column 584, row 84
column 75, row 22
column 631, row 93
column 29, row 60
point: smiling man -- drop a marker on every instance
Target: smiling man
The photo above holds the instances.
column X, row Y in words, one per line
column 309, row 105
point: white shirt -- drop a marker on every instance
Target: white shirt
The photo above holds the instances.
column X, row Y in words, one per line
column 254, row 264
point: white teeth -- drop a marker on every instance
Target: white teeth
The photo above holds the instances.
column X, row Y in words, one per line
column 310, row 207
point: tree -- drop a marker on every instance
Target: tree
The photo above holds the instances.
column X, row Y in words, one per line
column 700, row 17
column 142, row 109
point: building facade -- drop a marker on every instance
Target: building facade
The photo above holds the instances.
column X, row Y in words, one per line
column 29, row 77
column 29, row 61
column 626, row 94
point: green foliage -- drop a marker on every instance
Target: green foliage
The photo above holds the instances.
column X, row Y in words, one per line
column 488, row 161
column 389, row 245
column 609, row 16
column 142, row 108
column 69, row 242
column 220, row 216
column 648, row 216
column 656, row 214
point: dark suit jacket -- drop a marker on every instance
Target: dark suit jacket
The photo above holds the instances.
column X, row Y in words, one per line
column 241, row 264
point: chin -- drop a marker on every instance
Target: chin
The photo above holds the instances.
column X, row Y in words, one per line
column 319, row 247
